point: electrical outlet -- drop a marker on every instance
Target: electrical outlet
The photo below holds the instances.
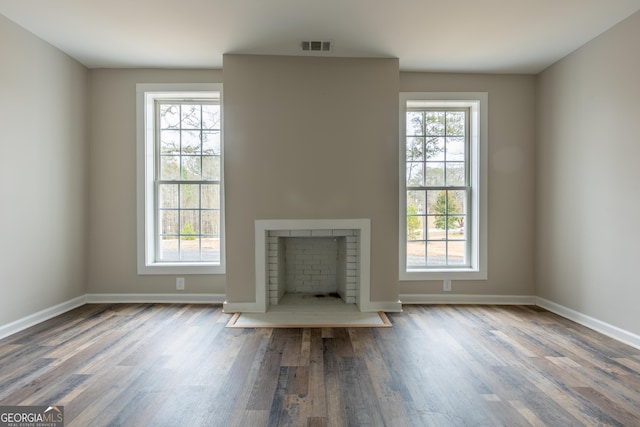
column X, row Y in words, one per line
column 446, row 285
column 179, row 283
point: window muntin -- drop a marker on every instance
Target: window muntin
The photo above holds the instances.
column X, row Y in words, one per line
column 437, row 187
column 187, row 180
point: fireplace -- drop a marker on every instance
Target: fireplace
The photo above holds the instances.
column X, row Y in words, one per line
column 316, row 257
column 322, row 263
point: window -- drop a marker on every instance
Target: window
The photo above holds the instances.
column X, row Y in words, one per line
column 180, row 174
column 443, row 186
column 438, row 189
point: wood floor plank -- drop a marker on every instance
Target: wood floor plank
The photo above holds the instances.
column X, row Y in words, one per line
column 389, row 393
column 317, row 422
column 241, row 377
column 317, row 396
column 292, row 351
column 269, row 375
column 334, row 393
column 177, row 364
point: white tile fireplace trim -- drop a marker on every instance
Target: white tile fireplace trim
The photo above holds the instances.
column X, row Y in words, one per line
column 262, row 227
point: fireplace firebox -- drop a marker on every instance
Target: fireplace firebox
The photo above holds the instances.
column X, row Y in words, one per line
column 317, row 257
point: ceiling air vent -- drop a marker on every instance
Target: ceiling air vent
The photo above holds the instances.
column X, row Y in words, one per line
column 316, row 46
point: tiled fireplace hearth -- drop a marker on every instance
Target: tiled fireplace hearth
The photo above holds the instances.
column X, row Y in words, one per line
column 322, row 257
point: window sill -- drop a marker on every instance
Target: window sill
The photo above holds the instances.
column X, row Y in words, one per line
column 448, row 274
column 180, row 268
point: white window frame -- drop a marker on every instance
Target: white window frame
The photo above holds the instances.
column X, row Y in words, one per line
column 146, row 95
column 477, row 102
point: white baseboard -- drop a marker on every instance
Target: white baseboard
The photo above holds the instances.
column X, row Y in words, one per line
column 156, row 298
column 48, row 313
column 372, row 306
column 40, row 316
column 467, row 299
column 590, row 322
column 583, row 319
column 242, row 307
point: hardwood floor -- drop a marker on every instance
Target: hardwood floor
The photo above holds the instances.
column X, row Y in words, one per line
column 177, row 365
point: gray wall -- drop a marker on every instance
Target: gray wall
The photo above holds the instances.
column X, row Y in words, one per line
column 296, row 104
column 310, row 138
column 511, row 204
column 588, row 203
column 43, row 186
column 112, row 266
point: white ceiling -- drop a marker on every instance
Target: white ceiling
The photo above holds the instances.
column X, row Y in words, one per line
column 495, row 36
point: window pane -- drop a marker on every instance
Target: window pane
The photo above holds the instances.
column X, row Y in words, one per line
column 457, row 253
column 457, row 202
column 169, row 222
column 211, row 249
column 168, row 196
column 211, row 143
column 189, row 196
column 432, row 200
column 189, row 248
column 435, row 123
column 210, row 196
column 415, row 149
column 415, row 227
column 455, row 123
column 170, row 142
column 439, row 206
column 416, row 202
column 455, row 173
column 189, row 222
column 436, row 253
column 211, row 168
column 435, row 173
column 415, row 125
column 190, row 116
column 210, row 116
column 436, row 228
column 435, row 148
column 211, row 222
column 416, row 254
column 169, row 116
column 191, row 167
column 455, row 149
column 169, row 167
column 415, row 174
column 457, row 232
column 191, row 142
column 169, row 249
